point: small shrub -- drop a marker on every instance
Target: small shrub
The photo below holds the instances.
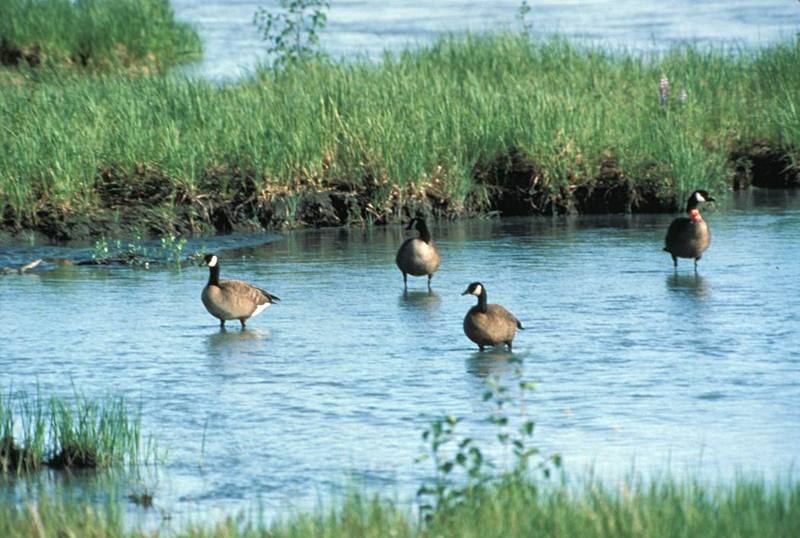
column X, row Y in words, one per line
column 292, row 32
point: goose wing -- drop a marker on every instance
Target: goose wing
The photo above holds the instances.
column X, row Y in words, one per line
column 503, row 316
column 244, row 293
column 674, row 231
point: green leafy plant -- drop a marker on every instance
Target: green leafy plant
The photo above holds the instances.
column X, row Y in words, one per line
column 522, row 16
column 136, row 253
column 292, row 31
column 461, row 471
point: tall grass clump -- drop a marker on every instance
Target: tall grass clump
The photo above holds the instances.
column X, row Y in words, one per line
column 97, row 34
column 463, row 126
column 69, row 434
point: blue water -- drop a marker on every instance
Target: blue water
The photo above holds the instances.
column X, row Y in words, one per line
column 367, row 28
column 636, row 365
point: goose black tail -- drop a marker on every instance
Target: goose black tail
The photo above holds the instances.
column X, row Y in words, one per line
column 519, row 325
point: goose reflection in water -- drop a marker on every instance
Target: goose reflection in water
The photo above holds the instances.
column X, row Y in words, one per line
column 495, row 362
column 224, row 343
column 427, row 300
column 689, row 284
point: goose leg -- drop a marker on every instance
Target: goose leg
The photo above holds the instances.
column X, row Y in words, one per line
column 241, row 320
column 675, row 262
column 509, row 345
column 429, row 281
column 695, row 264
column 222, row 324
column 480, row 347
column 405, row 281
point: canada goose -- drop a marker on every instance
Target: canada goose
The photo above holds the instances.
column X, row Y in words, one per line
column 232, row 299
column 688, row 237
column 489, row 324
column 418, row 255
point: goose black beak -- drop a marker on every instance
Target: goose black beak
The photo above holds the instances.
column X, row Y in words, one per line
column 410, row 224
column 710, row 200
column 465, row 292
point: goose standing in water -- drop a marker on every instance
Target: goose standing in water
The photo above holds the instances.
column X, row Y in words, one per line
column 232, row 299
column 418, row 256
column 489, row 324
column 688, row 237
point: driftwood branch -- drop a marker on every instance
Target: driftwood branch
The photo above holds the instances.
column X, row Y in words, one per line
column 21, row 270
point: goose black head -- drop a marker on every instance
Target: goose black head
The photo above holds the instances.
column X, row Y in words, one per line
column 476, row 289
column 416, row 223
column 421, row 227
column 210, row 260
column 697, row 198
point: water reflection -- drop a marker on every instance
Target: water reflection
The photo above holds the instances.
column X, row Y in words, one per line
column 496, row 362
column 425, row 300
column 689, row 284
column 235, row 342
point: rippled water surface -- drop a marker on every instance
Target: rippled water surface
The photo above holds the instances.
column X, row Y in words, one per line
column 368, row 27
column 636, row 365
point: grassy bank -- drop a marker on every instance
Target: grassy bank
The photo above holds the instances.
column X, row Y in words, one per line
column 465, row 126
column 58, row 434
column 94, row 34
column 512, row 508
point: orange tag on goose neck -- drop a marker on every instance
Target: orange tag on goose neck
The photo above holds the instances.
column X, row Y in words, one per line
column 694, row 214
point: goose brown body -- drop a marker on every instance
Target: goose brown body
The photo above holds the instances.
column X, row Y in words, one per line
column 232, row 299
column 689, row 237
column 418, row 256
column 489, row 324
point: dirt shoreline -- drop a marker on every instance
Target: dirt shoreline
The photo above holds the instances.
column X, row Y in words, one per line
column 149, row 203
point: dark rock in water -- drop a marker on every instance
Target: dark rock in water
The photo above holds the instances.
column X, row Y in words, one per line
column 761, row 165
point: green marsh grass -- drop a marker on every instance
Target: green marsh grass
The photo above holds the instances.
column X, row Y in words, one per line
column 512, row 508
column 69, row 434
column 99, row 34
column 430, row 124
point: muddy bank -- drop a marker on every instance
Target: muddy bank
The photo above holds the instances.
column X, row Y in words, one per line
column 231, row 199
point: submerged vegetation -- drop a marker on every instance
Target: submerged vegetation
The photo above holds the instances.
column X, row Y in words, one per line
column 94, row 34
column 465, row 126
column 80, row 434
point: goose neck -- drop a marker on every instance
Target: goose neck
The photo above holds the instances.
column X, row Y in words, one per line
column 482, row 301
column 424, row 233
column 213, row 275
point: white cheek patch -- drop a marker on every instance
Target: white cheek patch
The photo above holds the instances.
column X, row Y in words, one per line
column 478, row 290
column 213, row 261
column 699, row 197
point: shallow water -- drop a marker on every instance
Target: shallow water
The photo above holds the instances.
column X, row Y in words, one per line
column 636, row 365
column 362, row 27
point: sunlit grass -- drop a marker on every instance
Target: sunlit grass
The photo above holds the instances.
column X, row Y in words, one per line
column 98, row 34
column 69, row 434
column 429, row 122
